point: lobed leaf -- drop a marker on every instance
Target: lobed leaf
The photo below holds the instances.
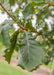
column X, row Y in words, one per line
column 30, row 53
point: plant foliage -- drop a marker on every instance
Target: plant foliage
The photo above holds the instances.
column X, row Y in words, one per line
column 33, row 50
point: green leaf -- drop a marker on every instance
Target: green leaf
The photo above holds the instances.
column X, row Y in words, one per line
column 30, row 53
column 28, row 11
column 12, row 2
column 51, row 1
column 41, row 24
column 6, row 25
column 5, row 38
column 29, row 25
column 10, row 50
column 52, row 26
column 48, row 33
column 6, row 4
column 40, row 7
column 41, row 16
column 4, row 32
column 15, row 15
column 46, row 60
column 41, row 1
column 1, row 1
column 36, row 1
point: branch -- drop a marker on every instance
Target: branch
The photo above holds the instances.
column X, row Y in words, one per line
column 11, row 16
column 23, row 28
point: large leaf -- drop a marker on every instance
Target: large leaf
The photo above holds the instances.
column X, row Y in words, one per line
column 10, row 50
column 30, row 53
column 4, row 32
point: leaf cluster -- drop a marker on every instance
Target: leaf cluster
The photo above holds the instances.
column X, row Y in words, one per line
column 34, row 48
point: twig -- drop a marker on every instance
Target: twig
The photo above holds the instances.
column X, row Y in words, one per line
column 23, row 28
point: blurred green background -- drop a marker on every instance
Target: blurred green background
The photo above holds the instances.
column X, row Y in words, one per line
column 6, row 69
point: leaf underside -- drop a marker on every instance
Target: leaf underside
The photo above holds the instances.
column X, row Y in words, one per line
column 30, row 54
